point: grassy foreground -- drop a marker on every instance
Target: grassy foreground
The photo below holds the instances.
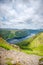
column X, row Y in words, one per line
column 6, row 45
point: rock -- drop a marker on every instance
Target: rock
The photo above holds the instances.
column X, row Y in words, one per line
column 8, row 57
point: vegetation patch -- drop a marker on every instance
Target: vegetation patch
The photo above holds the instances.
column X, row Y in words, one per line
column 9, row 63
column 6, row 45
column 33, row 45
column 9, row 59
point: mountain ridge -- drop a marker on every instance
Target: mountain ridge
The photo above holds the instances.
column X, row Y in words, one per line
column 34, row 44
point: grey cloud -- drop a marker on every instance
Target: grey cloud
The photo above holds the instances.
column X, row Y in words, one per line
column 5, row 1
column 23, row 13
column 28, row 21
column 39, row 11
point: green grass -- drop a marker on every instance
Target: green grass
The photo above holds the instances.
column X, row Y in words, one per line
column 6, row 45
column 9, row 63
column 10, row 59
column 33, row 45
column 41, row 59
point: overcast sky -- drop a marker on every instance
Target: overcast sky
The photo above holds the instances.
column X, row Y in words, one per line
column 21, row 14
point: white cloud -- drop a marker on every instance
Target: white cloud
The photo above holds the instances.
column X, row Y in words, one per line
column 14, row 14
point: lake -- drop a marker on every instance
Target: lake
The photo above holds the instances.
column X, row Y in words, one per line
column 15, row 40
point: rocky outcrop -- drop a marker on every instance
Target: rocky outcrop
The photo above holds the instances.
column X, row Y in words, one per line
column 11, row 57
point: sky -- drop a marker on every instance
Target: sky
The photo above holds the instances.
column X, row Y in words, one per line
column 21, row 14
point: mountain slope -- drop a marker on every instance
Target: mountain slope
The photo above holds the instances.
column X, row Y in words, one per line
column 7, row 46
column 37, row 44
column 33, row 45
column 37, row 41
column 9, row 34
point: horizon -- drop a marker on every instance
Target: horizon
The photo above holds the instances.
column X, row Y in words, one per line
column 18, row 29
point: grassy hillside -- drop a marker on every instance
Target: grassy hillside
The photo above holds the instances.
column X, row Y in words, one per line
column 7, row 46
column 8, row 34
column 34, row 45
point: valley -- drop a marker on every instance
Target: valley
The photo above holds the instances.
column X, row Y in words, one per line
column 26, row 50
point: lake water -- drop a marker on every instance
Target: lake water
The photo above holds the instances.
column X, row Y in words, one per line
column 19, row 40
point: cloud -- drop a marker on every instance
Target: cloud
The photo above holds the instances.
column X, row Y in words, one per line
column 21, row 14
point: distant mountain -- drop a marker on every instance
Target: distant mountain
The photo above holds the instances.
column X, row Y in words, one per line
column 9, row 34
column 13, row 34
